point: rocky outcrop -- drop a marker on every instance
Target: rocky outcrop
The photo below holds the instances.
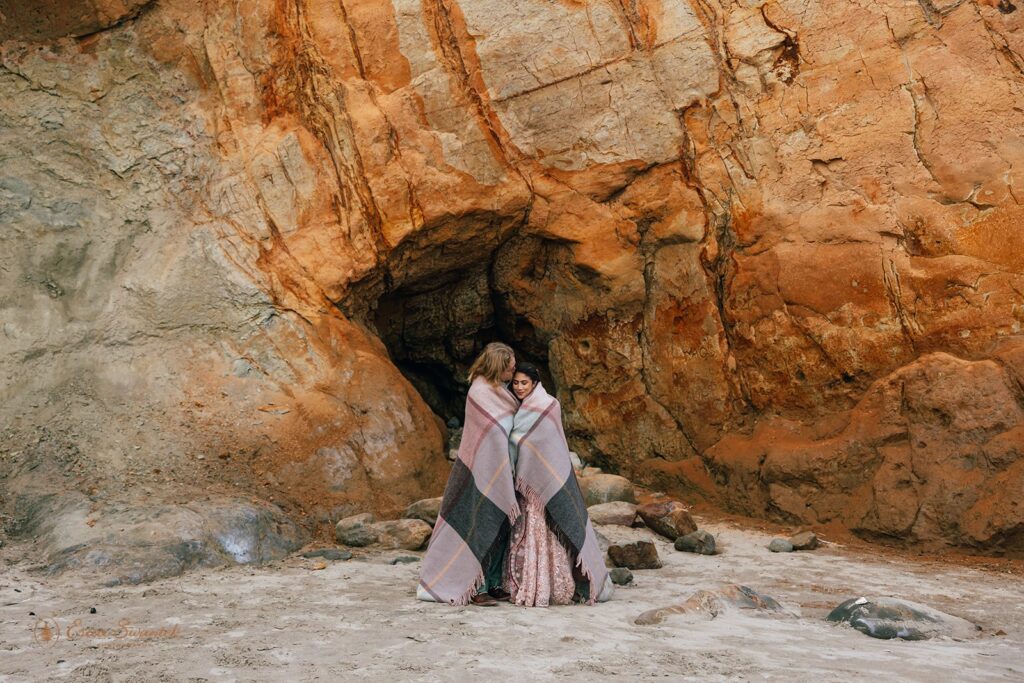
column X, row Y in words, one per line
column 275, row 235
column 931, row 452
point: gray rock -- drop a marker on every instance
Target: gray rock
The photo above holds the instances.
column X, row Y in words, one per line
column 605, row 488
column 888, row 618
column 700, row 542
column 333, row 554
column 453, row 423
column 132, row 544
column 805, row 540
column 621, row 576
column 427, row 510
column 357, row 531
column 617, row 512
column 780, row 545
column 637, row 555
column 404, row 559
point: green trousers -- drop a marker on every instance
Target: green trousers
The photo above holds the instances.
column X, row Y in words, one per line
column 494, row 560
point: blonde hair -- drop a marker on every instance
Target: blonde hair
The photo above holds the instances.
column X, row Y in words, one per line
column 493, row 361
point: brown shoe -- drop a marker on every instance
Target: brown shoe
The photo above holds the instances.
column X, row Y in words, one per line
column 499, row 594
column 483, row 600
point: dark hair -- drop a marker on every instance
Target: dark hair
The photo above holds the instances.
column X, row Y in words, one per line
column 530, row 370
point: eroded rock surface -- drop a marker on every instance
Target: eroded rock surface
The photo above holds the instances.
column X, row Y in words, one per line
column 743, row 238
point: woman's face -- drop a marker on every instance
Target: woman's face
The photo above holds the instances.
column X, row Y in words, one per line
column 522, row 385
column 509, row 370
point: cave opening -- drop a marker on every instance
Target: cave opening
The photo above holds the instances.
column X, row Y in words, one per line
column 435, row 327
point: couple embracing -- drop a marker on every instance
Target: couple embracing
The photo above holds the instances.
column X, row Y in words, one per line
column 513, row 524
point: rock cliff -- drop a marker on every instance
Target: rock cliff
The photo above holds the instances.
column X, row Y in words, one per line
column 769, row 252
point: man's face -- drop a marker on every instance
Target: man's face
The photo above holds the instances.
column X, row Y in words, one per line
column 510, row 370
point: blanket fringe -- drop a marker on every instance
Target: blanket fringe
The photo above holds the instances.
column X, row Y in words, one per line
column 463, row 599
column 594, row 591
column 529, row 494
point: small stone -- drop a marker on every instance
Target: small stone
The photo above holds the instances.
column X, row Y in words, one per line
column 453, row 423
column 671, row 518
column 332, row 554
column 780, row 545
column 621, row 576
column 637, row 555
column 577, row 464
column 605, row 488
column 618, row 512
column 407, row 534
column 805, row 540
column 92, row 610
column 404, row 559
column 357, row 531
column 700, row 542
column 319, row 564
column 427, row 510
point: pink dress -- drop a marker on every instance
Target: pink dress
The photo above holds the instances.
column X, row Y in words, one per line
column 539, row 571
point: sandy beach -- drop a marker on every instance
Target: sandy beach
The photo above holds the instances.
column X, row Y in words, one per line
column 359, row 620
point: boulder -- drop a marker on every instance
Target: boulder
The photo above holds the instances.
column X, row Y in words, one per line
column 780, row 545
column 426, row 510
column 407, row 534
column 605, row 488
column 700, row 542
column 805, row 540
column 618, row 512
column 637, row 555
column 621, row 576
column 888, row 618
column 128, row 544
column 711, row 603
column 357, row 531
column 671, row 519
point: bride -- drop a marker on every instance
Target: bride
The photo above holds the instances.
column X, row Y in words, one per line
column 553, row 556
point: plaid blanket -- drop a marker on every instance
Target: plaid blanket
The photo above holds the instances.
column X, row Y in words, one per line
column 543, row 472
column 478, row 499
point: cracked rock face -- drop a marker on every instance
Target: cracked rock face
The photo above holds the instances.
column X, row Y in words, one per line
column 229, row 231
